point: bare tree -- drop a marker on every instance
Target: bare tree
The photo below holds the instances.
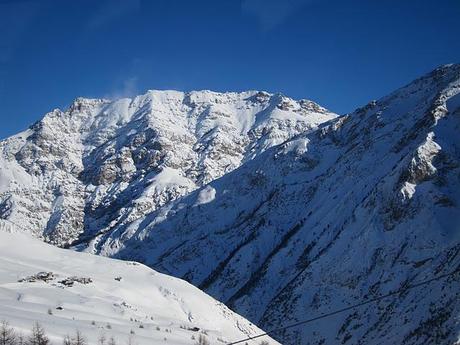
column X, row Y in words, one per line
column 130, row 340
column 112, row 341
column 7, row 335
column 79, row 339
column 20, row 340
column 38, row 336
column 67, row 340
column 101, row 339
column 202, row 340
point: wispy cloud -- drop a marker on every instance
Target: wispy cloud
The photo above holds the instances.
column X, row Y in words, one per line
column 271, row 13
column 111, row 10
column 129, row 88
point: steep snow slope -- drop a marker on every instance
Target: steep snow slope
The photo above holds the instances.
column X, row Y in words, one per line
column 159, row 309
column 103, row 164
column 360, row 207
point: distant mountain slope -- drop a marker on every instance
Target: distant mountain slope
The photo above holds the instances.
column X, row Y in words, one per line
column 360, row 207
column 245, row 197
column 157, row 308
column 101, row 164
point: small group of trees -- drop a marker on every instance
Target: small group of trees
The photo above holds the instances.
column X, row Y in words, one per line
column 37, row 336
column 8, row 336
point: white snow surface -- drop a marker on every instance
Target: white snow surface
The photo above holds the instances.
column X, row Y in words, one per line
column 276, row 207
column 360, row 207
column 100, row 165
column 141, row 300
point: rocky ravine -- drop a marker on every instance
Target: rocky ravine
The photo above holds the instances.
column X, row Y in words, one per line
column 361, row 206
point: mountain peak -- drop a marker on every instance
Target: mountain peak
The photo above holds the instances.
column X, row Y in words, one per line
column 105, row 147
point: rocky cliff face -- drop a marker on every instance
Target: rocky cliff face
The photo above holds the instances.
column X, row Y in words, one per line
column 363, row 205
column 101, row 165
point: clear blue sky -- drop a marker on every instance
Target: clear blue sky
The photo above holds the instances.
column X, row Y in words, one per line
column 340, row 53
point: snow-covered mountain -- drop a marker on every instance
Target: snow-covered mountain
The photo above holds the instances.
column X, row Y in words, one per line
column 360, row 207
column 39, row 282
column 103, row 164
column 278, row 208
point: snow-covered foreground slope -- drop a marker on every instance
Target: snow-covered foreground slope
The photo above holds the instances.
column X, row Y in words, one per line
column 362, row 206
column 158, row 308
column 102, row 164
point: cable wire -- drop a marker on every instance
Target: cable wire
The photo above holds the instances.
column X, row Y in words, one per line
column 322, row 316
